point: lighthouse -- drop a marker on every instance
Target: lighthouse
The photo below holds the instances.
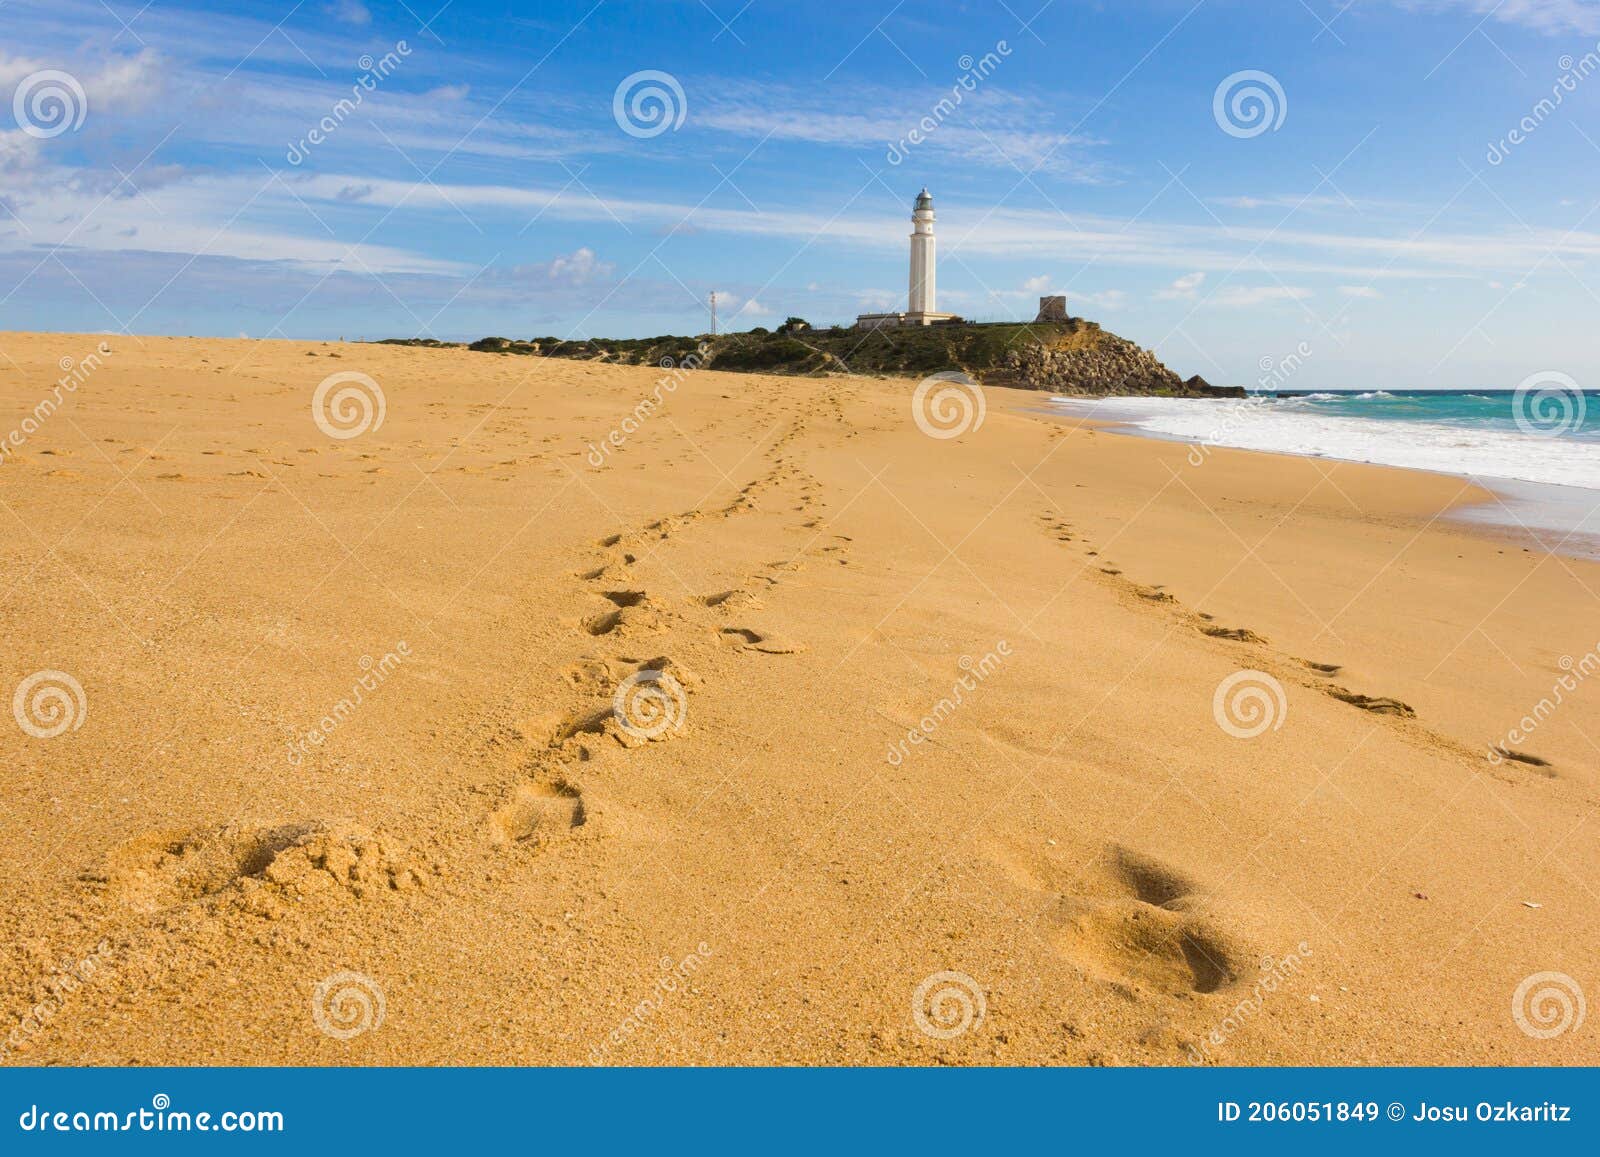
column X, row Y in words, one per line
column 921, row 300
column 922, row 256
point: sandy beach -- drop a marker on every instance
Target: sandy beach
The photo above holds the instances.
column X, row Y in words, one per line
column 786, row 733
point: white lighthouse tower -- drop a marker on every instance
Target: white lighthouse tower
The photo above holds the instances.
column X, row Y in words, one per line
column 923, row 310
column 922, row 258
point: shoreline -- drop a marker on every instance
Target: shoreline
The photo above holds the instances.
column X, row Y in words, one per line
column 1549, row 516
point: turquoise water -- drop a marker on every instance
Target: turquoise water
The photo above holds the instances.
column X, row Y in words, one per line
column 1537, row 448
column 1550, row 437
column 1560, row 412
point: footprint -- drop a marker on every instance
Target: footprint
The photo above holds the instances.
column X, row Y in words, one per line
column 772, row 644
column 1237, row 634
column 731, row 599
column 1134, row 921
column 1523, row 757
column 537, row 813
column 1378, row 705
column 162, row 870
column 635, row 614
column 1143, row 945
column 616, row 571
column 1323, row 668
column 591, row 674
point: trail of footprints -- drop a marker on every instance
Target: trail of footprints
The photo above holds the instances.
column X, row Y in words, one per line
column 1320, row 675
column 635, row 700
column 267, row 869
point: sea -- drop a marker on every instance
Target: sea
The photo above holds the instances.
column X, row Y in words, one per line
column 1536, row 448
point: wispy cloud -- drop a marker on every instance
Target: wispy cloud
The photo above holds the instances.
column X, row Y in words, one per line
column 1550, row 16
column 350, row 12
column 992, row 126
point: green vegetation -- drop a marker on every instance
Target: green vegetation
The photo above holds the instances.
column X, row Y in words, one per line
column 796, row 348
column 1075, row 354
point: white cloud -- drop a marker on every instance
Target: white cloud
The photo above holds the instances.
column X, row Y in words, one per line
column 577, row 268
column 350, row 12
column 198, row 215
column 1550, row 16
column 13, row 69
column 116, row 85
column 1040, row 284
column 450, row 92
column 1359, row 291
column 1183, row 289
column 991, row 125
column 1300, row 202
column 18, row 151
column 126, row 83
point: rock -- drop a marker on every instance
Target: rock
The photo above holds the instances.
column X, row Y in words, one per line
column 1110, row 365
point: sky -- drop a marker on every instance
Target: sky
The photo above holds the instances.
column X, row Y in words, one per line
column 1389, row 193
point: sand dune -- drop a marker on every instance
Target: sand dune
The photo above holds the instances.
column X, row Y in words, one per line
column 785, row 733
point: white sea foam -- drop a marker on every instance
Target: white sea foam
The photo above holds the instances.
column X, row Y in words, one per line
column 1291, row 427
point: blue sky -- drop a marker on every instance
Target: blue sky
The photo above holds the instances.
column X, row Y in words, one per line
column 485, row 185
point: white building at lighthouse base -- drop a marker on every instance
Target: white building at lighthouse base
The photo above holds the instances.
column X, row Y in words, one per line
column 895, row 320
